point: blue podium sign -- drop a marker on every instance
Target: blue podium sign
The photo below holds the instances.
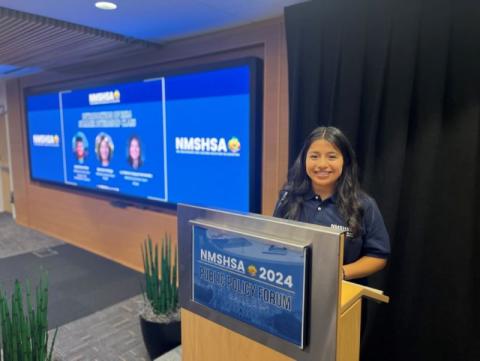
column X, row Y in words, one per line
column 255, row 280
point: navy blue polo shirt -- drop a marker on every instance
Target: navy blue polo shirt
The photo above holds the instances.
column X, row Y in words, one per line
column 373, row 241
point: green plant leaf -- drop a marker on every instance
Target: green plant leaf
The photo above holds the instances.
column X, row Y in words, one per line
column 161, row 288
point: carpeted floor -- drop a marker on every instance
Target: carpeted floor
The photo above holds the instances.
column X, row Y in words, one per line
column 80, row 282
column 15, row 239
column 110, row 334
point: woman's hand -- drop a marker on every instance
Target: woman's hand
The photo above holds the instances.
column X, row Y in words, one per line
column 363, row 267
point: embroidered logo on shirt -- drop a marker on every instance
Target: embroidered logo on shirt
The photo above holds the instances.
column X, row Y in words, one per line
column 342, row 228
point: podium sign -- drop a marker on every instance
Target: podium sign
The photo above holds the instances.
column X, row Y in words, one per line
column 272, row 280
column 253, row 279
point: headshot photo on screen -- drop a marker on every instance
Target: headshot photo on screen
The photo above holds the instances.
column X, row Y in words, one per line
column 134, row 151
column 104, row 148
column 80, row 147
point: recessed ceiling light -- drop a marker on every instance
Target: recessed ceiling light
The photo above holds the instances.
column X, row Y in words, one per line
column 106, row 5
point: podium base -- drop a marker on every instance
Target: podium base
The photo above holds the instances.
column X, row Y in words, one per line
column 204, row 340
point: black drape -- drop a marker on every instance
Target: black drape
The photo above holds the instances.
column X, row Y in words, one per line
column 402, row 80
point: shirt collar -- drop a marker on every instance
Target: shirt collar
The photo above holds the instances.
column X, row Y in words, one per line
column 311, row 195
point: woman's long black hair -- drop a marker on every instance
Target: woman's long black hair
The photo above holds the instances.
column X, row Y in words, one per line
column 347, row 188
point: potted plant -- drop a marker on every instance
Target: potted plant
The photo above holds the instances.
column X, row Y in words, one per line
column 160, row 319
column 25, row 331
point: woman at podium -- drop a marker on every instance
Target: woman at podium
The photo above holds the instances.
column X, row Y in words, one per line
column 323, row 188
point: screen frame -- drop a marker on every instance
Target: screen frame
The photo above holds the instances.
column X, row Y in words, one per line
column 255, row 65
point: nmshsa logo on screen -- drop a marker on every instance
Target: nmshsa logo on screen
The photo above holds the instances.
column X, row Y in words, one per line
column 46, row 140
column 108, row 97
column 208, row 146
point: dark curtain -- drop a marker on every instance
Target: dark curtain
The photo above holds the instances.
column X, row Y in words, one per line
column 402, row 79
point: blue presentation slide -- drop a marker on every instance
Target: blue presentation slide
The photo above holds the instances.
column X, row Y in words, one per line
column 114, row 139
column 182, row 138
column 45, row 138
column 208, row 118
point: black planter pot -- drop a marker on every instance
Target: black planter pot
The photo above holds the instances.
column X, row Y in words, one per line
column 160, row 338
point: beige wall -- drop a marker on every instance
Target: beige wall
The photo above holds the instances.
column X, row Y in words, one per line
column 91, row 222
column 4, row 162
column 4, row 168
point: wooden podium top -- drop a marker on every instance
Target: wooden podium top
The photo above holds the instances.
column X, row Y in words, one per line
column 350, row 292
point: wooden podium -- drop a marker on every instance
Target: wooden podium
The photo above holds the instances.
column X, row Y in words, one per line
column 325, row 326
column 204, row 340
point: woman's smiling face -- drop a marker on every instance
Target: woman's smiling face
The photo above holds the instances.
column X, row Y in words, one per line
column 104, row 150
column 324, row 165
column 134, row 149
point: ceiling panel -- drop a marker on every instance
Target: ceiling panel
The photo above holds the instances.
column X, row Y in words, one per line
column 51, row 34
column 31, row 43
column 156, row 20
